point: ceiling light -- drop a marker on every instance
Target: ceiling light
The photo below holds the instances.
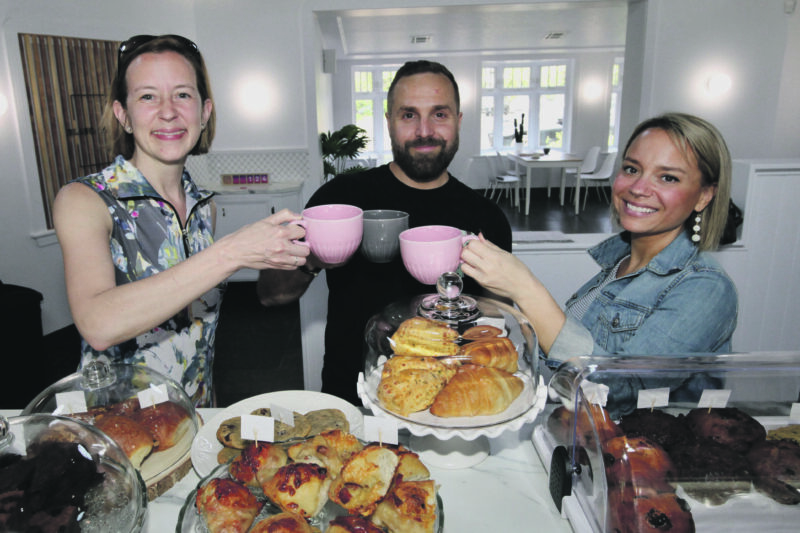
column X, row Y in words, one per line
column 554, row 35
column 421, row 39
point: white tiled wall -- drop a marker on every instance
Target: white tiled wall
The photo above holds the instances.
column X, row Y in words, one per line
column 281, row 165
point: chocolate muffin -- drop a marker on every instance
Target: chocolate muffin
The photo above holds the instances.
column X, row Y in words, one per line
column 711, row 472
column 776, row 464
column 660, row 427
column 728, row 426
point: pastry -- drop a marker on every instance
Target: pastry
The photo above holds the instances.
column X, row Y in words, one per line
column 424, row 336
column 647, row 509
column 636, row 460
column 229, row 433
column 321, row 420
column 560, row 424
column 711, row 472
column 410, row 507
column 329, row 449
column 134, row 439
column 497, row 352
column 776, row 467
column 299, row 488
column 477, row 390
column 398, row 363
column 410, row 391
column 225, row 455
column 352, row 524
column 226, row 506
column 728, row 426
column 365, row 479
column 660, row 427
column 257, row 463
column 284, row 432
column 792, row 432
column 410, row 467
column 168, row 422
column 481, row 332
column 282, row 523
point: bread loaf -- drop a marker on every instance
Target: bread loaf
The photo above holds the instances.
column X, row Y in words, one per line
column 134, row 439
column 168, row 422
column 497, row 352
column 477, row 390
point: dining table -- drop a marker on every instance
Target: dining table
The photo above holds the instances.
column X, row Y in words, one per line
column 506, row 491
column 554, row 159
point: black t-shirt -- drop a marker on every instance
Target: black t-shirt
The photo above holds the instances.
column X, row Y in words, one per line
column 360, row 289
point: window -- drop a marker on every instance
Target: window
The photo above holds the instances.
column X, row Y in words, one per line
column 616, row 98
column 537, row 89
column 370, row 88
column 67, row 80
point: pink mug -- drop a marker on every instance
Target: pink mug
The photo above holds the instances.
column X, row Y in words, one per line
column 333, row 231
column 430, row 251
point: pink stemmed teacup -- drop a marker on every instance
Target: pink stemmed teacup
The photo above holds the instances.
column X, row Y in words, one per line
column 430, row 251
column 333, row 231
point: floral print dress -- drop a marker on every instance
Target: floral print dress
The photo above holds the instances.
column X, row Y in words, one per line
column 147, row 238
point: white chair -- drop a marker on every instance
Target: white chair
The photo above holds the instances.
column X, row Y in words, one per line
column 587, row 166
column 502, row 178
column 602, row 176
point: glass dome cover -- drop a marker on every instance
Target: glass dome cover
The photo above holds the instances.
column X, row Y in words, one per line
column 65, row 465
column 470, row 320
column 103, row 388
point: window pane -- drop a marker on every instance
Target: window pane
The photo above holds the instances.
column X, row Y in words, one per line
column 551, row 120
column 487, row 78
column 516, row 77
column 615, row 75
column 487, row 122
column 612, row 121
column 362, row 82
column 553, row 76
column 513, row 108
column 364, row 119
column 388, row 76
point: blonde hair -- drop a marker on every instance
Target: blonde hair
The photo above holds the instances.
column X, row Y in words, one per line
column 698, row 139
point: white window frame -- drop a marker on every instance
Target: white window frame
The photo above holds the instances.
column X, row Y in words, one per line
column 378, row 97
column 534, row 93
column 616, row 95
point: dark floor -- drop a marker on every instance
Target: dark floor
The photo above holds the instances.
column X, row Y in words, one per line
column 258, row 348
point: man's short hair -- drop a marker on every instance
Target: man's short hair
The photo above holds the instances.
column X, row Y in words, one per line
column 422, row 66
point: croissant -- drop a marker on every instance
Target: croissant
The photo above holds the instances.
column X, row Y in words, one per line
column 497, row 352
column 477, row 390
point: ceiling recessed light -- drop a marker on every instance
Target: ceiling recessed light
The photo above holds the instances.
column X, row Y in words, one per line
column 421, row 39
column 555, row 35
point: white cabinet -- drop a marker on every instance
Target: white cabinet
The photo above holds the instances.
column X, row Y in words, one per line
column 235, row 210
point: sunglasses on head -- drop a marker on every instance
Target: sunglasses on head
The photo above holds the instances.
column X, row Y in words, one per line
column 138, row 40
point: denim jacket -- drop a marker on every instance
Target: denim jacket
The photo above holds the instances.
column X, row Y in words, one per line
column 681, row 302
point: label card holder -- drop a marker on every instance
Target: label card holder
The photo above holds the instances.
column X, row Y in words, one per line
column 714, row 398
column 380, row 429
column 258, row 428
column 152, row 395
column 652, row 398
column 282, row 414
column 70, row 402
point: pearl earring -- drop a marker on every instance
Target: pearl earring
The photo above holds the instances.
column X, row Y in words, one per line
column 202, row 125
column 128, row 129
column 696, row 228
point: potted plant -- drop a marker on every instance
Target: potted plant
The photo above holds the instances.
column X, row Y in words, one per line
column 519, row 133
column 339, row 147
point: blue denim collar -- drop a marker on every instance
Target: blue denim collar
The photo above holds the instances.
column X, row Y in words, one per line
column 676, row 256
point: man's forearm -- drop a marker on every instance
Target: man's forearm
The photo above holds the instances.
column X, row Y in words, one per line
column 278, row 287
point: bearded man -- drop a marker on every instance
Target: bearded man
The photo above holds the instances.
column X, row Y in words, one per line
column 424, row 118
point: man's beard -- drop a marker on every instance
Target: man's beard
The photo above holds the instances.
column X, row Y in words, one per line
column 424, row 168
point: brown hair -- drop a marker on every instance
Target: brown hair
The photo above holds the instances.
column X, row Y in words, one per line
column 411, row 68
column 117, row 140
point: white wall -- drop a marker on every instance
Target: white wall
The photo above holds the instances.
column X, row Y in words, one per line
column 277, row 41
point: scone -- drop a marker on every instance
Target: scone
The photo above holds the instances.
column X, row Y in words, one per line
column 257, row 463
column 282, row 523
column 299, row 488
column 410, row 391
column 329, row 449
column 364, row 480
column 433, row 365
column 226, row 506
column 409, row 507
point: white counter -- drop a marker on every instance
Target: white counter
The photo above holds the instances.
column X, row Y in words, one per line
column 506, row 492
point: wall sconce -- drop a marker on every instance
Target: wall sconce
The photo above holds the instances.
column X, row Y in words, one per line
column 592, row 91
column 718, row 84
column 253, row 98
column 3, row 104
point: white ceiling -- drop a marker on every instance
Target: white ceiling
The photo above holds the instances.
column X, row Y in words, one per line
column 505, row 28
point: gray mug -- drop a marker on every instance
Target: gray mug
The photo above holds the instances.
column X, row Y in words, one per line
column 380, row 242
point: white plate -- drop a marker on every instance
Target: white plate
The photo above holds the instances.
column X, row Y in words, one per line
column 205, row 446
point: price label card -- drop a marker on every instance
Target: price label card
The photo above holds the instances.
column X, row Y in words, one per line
column 714, row 398
column 282, row 414
column 258, row 428
column 379, row 429
column 652, row 398
column 71, row 402
column 595, row 393
column 153, row 395
column 794, row 413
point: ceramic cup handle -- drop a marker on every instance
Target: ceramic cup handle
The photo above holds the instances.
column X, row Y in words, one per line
column 302, row 223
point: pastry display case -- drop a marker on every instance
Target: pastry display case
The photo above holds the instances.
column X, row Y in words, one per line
column 61, row 474
column 680, row 444
column 147, row 413
column 452, row 369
